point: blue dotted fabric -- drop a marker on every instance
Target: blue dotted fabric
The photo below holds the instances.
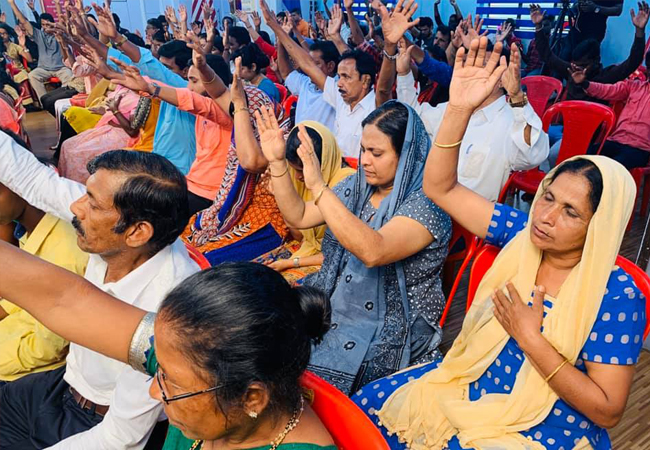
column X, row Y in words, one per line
column 616, row 338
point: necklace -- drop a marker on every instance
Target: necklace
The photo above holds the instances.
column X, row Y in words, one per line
column 292, row 424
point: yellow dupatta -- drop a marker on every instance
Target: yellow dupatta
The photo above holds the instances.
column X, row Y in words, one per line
column 428, row 412
column 333, row 173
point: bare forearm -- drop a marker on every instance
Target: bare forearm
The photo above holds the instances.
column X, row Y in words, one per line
column 284, row 63
column 337, row 40
column 313, row 260
column 351, row 232
column 300, row 56
column 291, row 205
column 249, row 152
column 67, row 304
column 572, row 385
column 131, row 50
column 125, row 124
column 387, row 75
column 355, row 29
column 28, row 56
column 21, row 18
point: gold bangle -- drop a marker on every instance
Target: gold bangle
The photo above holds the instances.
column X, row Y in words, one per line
column 448, row 145
column 238, row 110
column 213, row 78
column 320, row 194
column 548, row 378
column 282, row 174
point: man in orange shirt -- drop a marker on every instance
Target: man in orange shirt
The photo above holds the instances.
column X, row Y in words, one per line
column 301, row 24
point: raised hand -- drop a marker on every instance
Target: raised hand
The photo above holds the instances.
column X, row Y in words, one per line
column 336, row 21
column 311, row 169
column 504, row 31
column 398, row 22
column 170, row 15
column 22, row 37
column 511, row 79
column 578, row 74
column 237, row 93
column 208, row 12
column 473, row 81
column 104, row 23
column 182, row 13
column 269, row 16
column 98, row 63
column 457, row 37
column 536, row 14
column 403, row 63
column 640, row 20
column 132, row 78
column 271, row 135
column 257, row 20
column 348, row 4
column 198, row 52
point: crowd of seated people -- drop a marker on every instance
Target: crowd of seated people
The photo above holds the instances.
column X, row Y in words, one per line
column 322, row 170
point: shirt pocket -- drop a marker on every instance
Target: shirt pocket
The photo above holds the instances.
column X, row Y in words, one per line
column 472, row 161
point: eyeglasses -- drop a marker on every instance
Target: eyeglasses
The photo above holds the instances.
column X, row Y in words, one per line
column 161, row 376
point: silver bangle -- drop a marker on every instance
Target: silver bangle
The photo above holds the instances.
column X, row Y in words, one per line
column 391, row 57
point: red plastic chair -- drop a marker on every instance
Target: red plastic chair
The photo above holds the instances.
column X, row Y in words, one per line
column 288, row 104
column 486, row 256
column 352, row 162
column 283, row 92
column 539, row 90
column 581, row 122
column 350, row 428
column 641, row 175
column 465, row 256
column 197, row 257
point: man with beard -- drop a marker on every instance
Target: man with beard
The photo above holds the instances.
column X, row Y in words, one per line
column 128, row 217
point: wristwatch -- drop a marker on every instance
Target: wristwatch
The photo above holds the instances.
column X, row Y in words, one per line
column 156, row 90
column 120, row 41
column 520, row 104
column 296, row 262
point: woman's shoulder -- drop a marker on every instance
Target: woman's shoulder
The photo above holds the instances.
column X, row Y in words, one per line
column 622, row 293
column 505, row 224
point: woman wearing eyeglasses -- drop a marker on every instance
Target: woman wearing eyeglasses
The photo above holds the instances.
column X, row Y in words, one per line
column 225, row 349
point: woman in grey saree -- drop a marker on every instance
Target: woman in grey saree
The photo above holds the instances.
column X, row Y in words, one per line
column 384, row 248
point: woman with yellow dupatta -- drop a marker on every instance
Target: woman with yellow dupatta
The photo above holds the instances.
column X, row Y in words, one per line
column 302, row 256
column 548, row 370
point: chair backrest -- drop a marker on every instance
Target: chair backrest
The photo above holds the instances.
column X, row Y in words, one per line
column 288, row 103
column 539, row 90
column 283, row 92
column 486, row 256
column 581, row 122
column 197, row 257
column 350, row 428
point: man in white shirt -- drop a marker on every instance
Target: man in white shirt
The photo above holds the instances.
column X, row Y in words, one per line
column 352, row 96
column 311, row 104
column 128, row 217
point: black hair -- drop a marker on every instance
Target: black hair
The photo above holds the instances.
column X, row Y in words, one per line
column 117, row 20
column 218, row 44
column 240, row 34
column 281, row 15
column 365, row 63
column 296, row 11
column 47, row 16
column 198, row 23
column 5, row 78
column 10, row 31
column 229, row 19
column 454, row 20
column 241, row 323
column 587, row 50
column 328, row 50
column 135, row 39
column 426, row 22
column 162, row 19
column 155, row 23
column 220, row 67
column 159, row 36
column 155, row 192
column 178, row 50
column 512, row 22
column 265, row 36
column 392, row 119
column 437, row 53
column 251, row 54
column 444, row 30
column 588, row 170
column 293, row 142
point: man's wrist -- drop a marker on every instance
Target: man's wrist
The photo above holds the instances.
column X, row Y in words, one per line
column 516, row 96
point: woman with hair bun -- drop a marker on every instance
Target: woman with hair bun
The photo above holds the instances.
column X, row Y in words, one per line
column 225, row 350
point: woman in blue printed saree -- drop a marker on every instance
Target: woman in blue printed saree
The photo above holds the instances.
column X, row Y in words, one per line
column 384, row 247
column 225, row 350
column 545, row 358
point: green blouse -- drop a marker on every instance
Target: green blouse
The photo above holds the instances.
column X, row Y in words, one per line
column 142, row 357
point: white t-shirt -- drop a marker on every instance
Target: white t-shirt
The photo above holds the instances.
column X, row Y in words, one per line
column 311, row 105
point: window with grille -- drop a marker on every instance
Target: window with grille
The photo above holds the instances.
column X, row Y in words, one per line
column 496, row 11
